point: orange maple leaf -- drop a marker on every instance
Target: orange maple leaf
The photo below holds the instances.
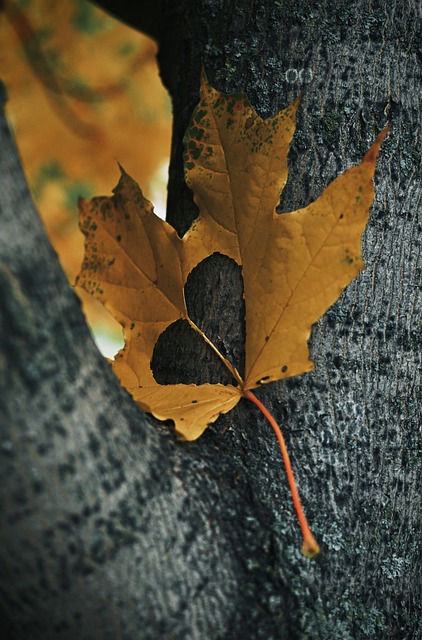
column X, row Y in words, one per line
column 294, row 265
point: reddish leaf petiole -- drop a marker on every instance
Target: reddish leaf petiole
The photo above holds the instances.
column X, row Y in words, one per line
column 310, row 546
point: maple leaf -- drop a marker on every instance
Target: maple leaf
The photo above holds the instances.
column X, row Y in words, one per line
column 294, row 265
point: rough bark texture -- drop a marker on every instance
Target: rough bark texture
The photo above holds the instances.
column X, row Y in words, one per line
column 111, row 528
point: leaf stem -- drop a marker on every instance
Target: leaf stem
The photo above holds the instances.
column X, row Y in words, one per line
column 310, row 546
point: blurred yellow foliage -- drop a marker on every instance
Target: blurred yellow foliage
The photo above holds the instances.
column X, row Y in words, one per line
column 84, row 94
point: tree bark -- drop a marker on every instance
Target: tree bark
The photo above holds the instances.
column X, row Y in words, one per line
column 111, row 528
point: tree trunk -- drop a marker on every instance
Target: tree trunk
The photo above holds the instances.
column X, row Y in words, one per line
column 111, row 528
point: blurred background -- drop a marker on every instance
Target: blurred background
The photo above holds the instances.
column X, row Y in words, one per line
column 84, row 93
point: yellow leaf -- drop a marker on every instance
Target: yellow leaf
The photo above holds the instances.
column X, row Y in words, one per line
column 294, row 265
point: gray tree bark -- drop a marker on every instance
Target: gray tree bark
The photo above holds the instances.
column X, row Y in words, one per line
column 111, row 528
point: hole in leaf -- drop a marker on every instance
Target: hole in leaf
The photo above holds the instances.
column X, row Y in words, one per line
column 181, row 356
column 214, row 299
column 215, row 302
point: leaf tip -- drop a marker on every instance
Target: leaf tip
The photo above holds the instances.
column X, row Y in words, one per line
column 204, row 78
column 121, row 169
column 298, row 100
column 372, row 153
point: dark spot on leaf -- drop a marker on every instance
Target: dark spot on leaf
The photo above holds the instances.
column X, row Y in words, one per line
column 200, row 114
column 284, row 368
column 196, row 133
